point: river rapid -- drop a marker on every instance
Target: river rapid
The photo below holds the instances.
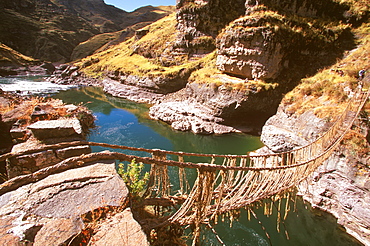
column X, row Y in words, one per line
column 126, row 123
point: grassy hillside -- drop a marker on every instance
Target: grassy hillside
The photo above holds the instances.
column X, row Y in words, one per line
column 331, row 82
column 153, row 52
column 142, row 57
column 50, row 30
column 8, row 56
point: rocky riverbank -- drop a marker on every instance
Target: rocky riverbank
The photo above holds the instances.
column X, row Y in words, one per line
column 33, row 122
column 341, row 186
column 200, row 108
column 48, row 201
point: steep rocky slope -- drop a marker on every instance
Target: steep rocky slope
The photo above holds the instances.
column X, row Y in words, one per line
column 50, row 30
column 341, row 185
column 236, row 66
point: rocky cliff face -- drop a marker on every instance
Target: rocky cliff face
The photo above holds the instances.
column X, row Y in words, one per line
column 199, row 22
column 251, row 48
column 248, row 48
column 255, row 46
column 341, row 185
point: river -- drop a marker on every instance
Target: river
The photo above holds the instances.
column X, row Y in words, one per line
column 126, row 123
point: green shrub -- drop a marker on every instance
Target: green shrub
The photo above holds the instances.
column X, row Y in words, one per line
column 133, row 177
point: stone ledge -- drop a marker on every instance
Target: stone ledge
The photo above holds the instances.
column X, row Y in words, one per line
column 56, row 128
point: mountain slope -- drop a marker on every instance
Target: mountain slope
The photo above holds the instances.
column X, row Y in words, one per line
column 50, row 29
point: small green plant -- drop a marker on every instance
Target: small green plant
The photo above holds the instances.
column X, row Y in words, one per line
column 133, row 177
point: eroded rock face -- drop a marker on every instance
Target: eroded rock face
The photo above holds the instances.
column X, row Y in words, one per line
column 341, row 185
column 338, row 188
column 49, row 211
column 189, row 116
column 130, row 92
column 29, row 163
column 199, row 22
column 283, row 133
column 249, row 49
column 208, row 108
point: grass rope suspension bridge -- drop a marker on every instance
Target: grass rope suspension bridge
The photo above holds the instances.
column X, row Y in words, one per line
column 224, row 182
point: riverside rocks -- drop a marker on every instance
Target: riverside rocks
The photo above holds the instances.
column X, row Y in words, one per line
column 40, row 69
column 48, row 131
column 283, row 133
column 209, row 108
column 56, row 128
column 340, row 186
column 341, row 189
column 33, row 123
column 50, row 211
column 130, row 92
column 189, row 116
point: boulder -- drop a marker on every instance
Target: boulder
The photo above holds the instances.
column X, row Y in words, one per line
column 121, row 229
column 32, row 162
column 49, row 211
column 284, row 133
column 56, row 128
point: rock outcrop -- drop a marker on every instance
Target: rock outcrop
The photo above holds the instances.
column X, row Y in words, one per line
column 53, row 210
column 341, row 185
column 33, row 123
column 124, row 225
column 27, row 163
column 282, row 133
column 248, row 48
column 130, row 92
column 209, row 108
column 255, row 46
column 199, row 22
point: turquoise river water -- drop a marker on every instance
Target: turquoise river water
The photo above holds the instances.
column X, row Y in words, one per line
column 126, row 123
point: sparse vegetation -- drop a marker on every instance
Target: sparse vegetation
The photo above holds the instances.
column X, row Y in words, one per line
column 133, row 177
column 147, row 56
column 10, row 56
column 332, row 84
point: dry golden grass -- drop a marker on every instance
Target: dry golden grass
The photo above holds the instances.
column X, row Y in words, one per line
column 8, row 55
column 331, row 84
column 326, row 92
column 127, row 57
column 357, row 7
